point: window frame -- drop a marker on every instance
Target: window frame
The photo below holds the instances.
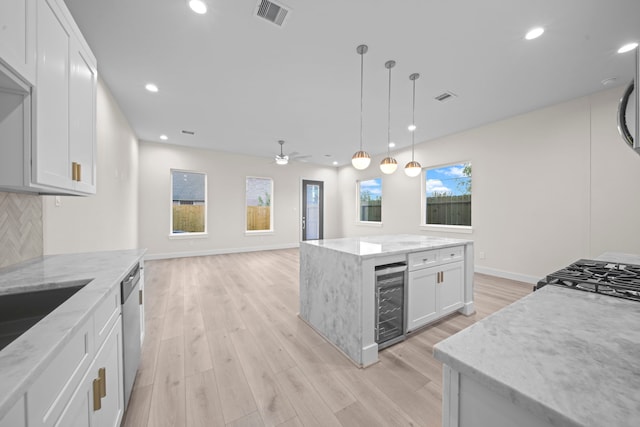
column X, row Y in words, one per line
column 189, row 235
column 465, row 229
column 358, row 205
column 271, row 229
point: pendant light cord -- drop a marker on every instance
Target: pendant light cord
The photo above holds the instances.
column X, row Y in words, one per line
column 361, row 93
column 413, row 122
column 389, row 118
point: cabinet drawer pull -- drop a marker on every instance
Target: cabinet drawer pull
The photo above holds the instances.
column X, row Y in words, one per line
column 140, row 297
column 97, row 402
column 102, row 374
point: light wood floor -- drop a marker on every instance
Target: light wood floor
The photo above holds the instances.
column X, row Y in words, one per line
column 224, row 347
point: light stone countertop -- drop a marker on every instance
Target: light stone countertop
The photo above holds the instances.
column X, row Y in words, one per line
column 371, row 246
column 569, row 357
column 22, row 361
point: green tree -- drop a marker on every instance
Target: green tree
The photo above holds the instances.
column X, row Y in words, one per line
column 465, row 185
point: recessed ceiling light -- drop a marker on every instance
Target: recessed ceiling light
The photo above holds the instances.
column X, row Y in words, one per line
column 411, row 128
column 534, row 33
column 392, row 144
column 628, row 47
column 151, row 87
column 198, row 6
column 335, row 163
column 164, row 137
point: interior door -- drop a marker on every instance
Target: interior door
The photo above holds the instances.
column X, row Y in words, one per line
column 312, row 210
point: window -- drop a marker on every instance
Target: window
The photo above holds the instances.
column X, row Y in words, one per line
column 370, row 200
column 448, row 195
column 188, row 202
column 259, row 202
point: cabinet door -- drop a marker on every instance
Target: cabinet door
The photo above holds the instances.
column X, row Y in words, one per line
column 16, row 416
column 450, row 290
column 82, row 116
column 421, row 297
column 81, row 410
column 17, row 37
column 50, row 149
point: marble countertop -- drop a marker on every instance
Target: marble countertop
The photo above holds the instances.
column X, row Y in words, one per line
column 25, row 358
column 371, row 246
column 569, row 357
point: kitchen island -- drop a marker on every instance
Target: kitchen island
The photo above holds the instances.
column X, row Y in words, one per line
column 557, row 357
column 338, row 285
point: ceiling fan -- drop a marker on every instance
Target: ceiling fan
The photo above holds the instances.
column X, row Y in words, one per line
column 282, row 159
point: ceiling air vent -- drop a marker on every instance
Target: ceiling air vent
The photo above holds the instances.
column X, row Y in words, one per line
column 272, row 12
column 446, row 96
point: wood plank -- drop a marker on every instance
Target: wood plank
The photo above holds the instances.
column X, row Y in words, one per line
column 204, row 408
column 310, row 407
column 197, row 356
column 168, row 396
column 235, row 395
column 138, row 410
column 273, row 405
column 251, row 420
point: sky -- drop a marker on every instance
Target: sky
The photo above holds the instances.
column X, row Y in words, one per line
column 374, row 186
column 445, row 180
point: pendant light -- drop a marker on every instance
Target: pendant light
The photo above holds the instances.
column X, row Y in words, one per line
column 388, row 165
column 413, row 168
column 361, row 159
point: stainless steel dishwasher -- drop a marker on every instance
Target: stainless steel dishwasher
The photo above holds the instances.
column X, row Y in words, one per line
column 130, row 288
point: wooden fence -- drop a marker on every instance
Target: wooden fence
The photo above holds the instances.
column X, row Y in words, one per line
column 258, row 217
column 449, row 210
column 371, row 211
column 188, row 218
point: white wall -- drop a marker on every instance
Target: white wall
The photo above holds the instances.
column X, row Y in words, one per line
column 226, row 221
column 549, row 187
column 108, row 220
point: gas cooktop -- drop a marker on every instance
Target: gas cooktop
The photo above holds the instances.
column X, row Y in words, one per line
column 602, row 277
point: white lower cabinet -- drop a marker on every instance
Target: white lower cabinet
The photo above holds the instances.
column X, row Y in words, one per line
column 436, row 290
column 98, row 401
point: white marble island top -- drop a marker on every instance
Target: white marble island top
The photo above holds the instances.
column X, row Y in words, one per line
column 25, row 358
column 569, row 357
column 371, row 246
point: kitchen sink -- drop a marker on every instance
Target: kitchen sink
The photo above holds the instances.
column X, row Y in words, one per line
column 19, row 312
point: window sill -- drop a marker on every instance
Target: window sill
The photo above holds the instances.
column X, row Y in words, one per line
column 369, row 223
column 463, row 229
column 258, row 232
column 180, row 236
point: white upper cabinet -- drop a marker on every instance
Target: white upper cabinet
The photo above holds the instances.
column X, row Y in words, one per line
column 82, row 117
column 57, row 153
column 50, row 145
column 17, row 37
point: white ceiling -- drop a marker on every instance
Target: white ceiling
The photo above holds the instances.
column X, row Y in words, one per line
column 241, row 83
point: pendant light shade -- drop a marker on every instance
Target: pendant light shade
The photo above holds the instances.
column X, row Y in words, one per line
column 361, row 158
column 413, row 168
column 388, row 165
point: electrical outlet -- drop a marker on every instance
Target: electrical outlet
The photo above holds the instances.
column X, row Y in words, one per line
column 482, row 255
column 58, row 201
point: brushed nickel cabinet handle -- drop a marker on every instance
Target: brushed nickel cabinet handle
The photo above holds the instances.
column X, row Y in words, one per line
column 140, row 296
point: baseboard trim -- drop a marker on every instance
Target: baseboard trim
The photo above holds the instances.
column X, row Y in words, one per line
column 507, row 274
column 170, row 255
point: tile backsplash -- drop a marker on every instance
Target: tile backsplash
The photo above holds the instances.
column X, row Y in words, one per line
column 20, row 228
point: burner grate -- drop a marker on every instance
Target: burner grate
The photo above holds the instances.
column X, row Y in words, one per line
column 614, row 279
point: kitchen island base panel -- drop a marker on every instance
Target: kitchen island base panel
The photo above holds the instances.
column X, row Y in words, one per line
column 466, row 402
column 369, row 353
column 330, row 302
column 468, row 309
